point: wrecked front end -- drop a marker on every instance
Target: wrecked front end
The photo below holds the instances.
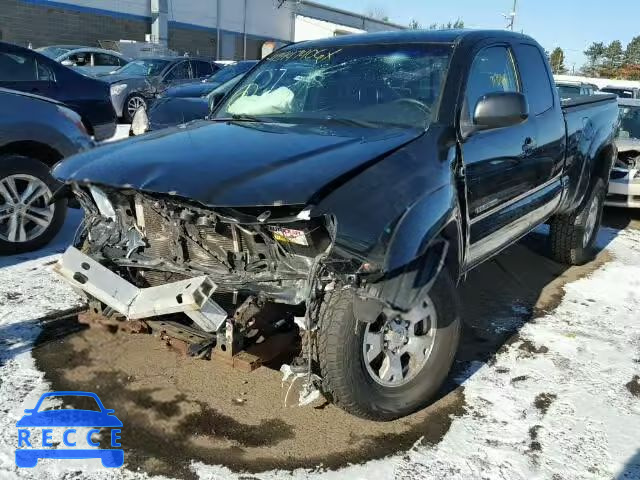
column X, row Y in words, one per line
column 624, row 184
column 271, row 253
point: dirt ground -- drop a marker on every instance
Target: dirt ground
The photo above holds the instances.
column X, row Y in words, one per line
column 177, row 409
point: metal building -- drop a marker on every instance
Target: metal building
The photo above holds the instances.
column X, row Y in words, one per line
column 222, row 29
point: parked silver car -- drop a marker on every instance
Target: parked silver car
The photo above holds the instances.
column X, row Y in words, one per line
column 92, row 61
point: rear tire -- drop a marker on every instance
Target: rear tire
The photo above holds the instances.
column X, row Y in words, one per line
column 573, row 235
column 16, row 167
column 347, row 378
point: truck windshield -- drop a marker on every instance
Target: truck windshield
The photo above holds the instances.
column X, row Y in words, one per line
column 370, row 86
column 629, row 122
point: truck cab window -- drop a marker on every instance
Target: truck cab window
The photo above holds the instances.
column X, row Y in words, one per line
column 493, row 70
column 537, row 83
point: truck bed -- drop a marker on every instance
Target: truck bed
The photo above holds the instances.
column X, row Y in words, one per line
column 588, row 121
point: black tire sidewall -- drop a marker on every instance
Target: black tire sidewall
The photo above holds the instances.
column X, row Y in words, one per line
column 17, row 164
column 599, row 191
column 388, row 403
column 129, row 118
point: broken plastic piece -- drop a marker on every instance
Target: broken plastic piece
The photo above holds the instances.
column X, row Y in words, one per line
column 307, row 383
column 191, row 296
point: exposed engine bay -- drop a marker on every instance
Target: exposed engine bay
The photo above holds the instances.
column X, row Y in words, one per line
column 154, row 241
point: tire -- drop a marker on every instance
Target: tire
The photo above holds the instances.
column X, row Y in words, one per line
column 572, row 241
column 17, row 165
column 126, row 115
column 346, row 379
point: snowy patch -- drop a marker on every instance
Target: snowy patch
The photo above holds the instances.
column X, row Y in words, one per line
column 564, row 407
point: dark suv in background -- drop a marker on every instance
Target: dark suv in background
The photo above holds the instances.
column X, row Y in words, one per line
column 35, row 133
column 29, row 71
column 136, row 84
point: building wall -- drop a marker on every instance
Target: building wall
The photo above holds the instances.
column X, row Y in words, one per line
column 312, row 29
column 33, row 22
column 201, row 42
column 192, row 23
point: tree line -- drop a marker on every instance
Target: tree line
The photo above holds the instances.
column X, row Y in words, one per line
column 606, row 61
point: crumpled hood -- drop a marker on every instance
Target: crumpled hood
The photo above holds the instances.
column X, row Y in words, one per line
column 236, row 164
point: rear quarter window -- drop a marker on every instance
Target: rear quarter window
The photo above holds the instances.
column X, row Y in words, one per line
column 535, row 78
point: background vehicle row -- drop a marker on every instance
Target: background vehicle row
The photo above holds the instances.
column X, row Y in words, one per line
column 31, row 72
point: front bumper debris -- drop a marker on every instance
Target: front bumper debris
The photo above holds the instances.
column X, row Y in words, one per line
column 191, row 297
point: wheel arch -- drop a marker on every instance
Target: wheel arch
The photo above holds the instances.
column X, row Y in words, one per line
column 436, row 216
column 37, row 150
column 602, row 163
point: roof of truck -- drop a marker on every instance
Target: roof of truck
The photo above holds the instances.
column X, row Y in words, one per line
column 413, row 36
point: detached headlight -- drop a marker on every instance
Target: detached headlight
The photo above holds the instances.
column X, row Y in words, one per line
column 105, row 207
column 118, row 89
column 140, row 122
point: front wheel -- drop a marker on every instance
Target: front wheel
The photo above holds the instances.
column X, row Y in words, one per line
column 573, row 236
column 393, row 366
column 27, row 221
column 133, row 103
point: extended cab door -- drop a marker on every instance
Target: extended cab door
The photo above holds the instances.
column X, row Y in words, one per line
column 505, row 169
column 496, row 170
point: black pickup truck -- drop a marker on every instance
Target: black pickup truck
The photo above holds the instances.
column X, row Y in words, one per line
column 352, row 182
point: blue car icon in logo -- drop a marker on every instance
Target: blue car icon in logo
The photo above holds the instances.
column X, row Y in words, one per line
column 27, row 457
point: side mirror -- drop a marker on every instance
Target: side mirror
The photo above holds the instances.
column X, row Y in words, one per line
column 68, row 63
column 214, row 100
column 499, row 110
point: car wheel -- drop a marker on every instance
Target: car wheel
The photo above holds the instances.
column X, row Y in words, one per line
column 574, row 235
column 27, row 222
column 134, row 102
column 393, row 366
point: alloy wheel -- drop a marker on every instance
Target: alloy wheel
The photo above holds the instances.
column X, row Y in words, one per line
column 134, row 104
column 24, row 210
column 396, row 349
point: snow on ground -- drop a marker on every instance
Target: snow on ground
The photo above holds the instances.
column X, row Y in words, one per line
column 569, row 410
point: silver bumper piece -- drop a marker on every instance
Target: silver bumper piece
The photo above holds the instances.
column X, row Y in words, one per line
column 191, row 297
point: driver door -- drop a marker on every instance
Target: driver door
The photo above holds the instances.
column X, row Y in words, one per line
column 498, row 163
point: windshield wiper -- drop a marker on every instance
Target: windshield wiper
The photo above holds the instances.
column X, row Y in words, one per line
column 239, row 117
column 352, row 122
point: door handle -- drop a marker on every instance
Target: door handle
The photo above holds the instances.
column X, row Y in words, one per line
column 528, row 146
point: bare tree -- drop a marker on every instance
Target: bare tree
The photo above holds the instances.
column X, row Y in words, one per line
column 378, row 13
